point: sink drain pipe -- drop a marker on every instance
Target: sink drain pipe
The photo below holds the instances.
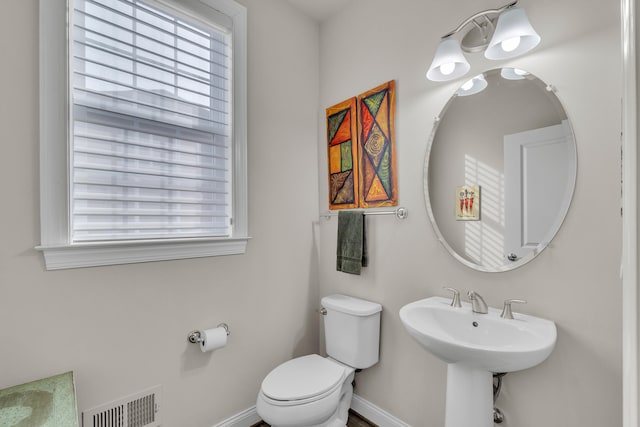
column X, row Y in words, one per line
column 498, row 417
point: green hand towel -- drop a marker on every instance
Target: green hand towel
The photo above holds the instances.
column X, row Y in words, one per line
column 352, row 247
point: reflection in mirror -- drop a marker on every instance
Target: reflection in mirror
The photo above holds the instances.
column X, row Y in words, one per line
column 506, row 134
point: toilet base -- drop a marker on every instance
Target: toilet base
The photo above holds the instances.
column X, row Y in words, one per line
column 341, row 416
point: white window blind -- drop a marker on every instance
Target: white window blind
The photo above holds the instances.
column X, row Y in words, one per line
column 151, row 124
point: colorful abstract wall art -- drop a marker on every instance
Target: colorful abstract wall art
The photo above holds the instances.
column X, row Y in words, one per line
column 343, row 155
column 361, row 150
column 377, row 149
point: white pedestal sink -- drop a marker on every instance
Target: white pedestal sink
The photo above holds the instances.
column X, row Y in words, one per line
column 475, row 346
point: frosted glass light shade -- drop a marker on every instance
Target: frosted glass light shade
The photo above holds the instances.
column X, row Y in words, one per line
column 473, row 86
column 448, row 63
column 513, row 73
column 514, row 35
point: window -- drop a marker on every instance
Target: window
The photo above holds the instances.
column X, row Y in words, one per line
column 147, row 159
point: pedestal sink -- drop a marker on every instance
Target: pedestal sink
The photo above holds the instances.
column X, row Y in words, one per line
column 475, row 346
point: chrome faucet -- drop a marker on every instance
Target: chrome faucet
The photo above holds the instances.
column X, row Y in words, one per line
column 477, row 303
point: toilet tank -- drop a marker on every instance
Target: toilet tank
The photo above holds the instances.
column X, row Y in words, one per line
column 352, row 330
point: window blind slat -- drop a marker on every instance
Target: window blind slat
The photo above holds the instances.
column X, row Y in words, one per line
column 130, row 34
column 120, row 71
column 145, row 181
column 162, row 233
column 137, row 222
column 110, row 56
column 117, row 91
column 107, row 125
column 108, row 43
column 125, row 109
column 136, row 210
column 169, row 202
column 155, row 18
column 94, row 143
column 161, row 102
column 155, row 168
column 109, row 148
column 116, row 193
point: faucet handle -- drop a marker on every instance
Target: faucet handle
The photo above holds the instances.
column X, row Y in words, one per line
column 506, row 310
column 455, row 301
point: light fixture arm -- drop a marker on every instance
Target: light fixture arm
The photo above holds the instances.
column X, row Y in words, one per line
column 472, row 18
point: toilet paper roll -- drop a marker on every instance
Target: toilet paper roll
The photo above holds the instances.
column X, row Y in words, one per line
column 213, row 339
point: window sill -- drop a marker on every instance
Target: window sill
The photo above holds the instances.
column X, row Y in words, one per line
column 113, row 253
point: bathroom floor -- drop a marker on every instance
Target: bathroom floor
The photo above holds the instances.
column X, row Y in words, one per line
column 355, row 420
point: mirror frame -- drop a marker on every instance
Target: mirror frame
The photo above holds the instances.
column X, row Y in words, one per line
column 563, row 209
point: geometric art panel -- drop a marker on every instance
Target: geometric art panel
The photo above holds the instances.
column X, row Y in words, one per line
column 342, row 153
column 378, row 177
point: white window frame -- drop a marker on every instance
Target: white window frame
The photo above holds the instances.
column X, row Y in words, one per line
column 58, row 249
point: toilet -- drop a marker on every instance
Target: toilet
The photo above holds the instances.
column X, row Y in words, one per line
column 316, row 391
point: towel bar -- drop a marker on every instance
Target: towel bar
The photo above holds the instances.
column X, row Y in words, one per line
column 400, row 213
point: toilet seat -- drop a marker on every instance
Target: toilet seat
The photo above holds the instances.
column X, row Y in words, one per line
column 303, row 380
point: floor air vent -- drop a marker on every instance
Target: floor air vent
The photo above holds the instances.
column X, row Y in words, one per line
column 138, row 410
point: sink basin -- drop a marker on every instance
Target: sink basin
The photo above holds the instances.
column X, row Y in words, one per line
column 475, row 346
column 487, row 341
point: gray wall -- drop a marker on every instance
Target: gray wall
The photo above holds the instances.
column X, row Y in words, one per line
column 122, row 329
column 575, row 282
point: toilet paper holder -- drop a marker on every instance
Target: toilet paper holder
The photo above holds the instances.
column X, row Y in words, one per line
column 194, row 336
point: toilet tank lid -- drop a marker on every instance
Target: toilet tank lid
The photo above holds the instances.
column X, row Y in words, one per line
column 351, row 305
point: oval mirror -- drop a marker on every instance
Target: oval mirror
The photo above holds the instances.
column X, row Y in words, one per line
column 500, row 170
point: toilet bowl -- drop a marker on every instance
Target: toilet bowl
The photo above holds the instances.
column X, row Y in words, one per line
column 307, row 391
column 316, row 391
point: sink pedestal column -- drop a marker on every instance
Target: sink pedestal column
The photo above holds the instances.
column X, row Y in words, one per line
column 469, row 397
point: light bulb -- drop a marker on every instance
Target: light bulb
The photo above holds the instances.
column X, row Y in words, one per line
column 447, row 68
column 468, row 85
column 511, row 44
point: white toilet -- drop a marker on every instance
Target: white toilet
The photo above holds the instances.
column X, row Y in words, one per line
column 313, row 391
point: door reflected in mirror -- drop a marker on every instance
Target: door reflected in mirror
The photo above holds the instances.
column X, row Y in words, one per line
column 505, row 132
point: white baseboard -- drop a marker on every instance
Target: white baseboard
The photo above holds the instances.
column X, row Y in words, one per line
column 363, row 407
column 375, row 414
column 245, row 418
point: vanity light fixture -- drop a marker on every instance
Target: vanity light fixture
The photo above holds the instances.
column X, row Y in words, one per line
column 502, row 33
